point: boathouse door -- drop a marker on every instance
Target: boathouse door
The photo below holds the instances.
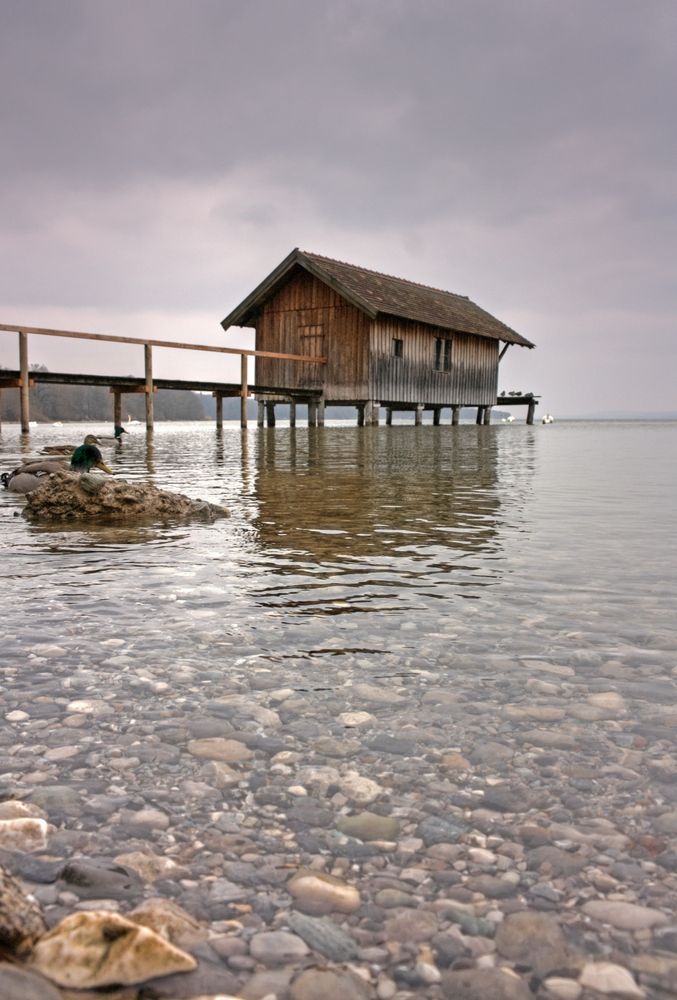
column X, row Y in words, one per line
column 312, row 344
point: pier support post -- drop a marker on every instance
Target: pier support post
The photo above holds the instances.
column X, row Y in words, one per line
column 418, row 417
column 372, row 408
column 487, row 414
column 360, row 414
column 480, row 415
column 219, row 411
column 24, row 403
column 244, row 391
column 292, row 413
column 455, row 413
column 270, row 414
column 320, row 413
column 261, row 409
column 531, row 409
column 312, row 413
column 117, row 408
column 148, row 366
column 389, row 416
column 0, row 411
column 436, row 416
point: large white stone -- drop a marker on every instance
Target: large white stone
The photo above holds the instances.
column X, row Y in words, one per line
column 607, row 978
column 359, row 789
column 101, row 948
column 24, row 834
column 318, row 893
column 624, row 916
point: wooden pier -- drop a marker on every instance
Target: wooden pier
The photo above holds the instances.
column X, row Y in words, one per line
column 268, row 395
column 23, row 377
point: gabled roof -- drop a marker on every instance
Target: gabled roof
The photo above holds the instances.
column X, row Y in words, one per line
column 380, row 294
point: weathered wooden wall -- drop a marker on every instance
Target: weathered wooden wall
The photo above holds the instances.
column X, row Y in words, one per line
column 306, row 316
column 311, row 318
column 411, row 379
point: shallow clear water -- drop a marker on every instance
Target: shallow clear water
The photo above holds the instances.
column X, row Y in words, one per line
column 358, row 542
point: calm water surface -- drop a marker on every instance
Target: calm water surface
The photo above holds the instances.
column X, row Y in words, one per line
column 348, row 545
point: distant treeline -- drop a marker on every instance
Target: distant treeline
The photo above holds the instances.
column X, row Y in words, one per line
column 94, row 402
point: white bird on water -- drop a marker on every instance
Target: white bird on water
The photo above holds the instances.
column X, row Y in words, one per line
column 548, row 419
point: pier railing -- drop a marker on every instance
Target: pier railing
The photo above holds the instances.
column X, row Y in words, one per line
column 25, row 377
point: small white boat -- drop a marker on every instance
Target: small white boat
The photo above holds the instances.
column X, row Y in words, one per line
column 548, row 419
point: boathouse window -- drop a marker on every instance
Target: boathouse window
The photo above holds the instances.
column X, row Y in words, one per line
column 397, row 347
column 442, row 355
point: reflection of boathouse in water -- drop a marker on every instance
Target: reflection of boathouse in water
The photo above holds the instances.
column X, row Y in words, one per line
column 387, row 342
column 342, row 496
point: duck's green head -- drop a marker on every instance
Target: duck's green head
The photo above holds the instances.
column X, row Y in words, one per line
column 87, row 457
column 119, row 431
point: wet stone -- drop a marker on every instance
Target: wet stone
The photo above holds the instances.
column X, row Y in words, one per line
column 441, row 830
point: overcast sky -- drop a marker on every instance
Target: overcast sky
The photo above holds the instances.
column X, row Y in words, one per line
column 159, row 158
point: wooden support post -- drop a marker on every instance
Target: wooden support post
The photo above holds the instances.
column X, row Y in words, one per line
column 0, row 411
column 117, row 408
column 312, row 413
column 487, row 414
column 219, row 411
column 480, row 414
column 270, row 414
column 148, row 365
column 360, row 414
column 389, row 416
column 436, row 416
column 244, row 391
column 23, row 389
column 418, row 418
column 320, row 413
column 455, row 414
column 292, row 413
column 260, row 413
column 530, row 412
column 372, row 407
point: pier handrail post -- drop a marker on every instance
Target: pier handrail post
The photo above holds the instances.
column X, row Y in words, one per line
column 244, row 391
column 23, row 388
column 148, row 365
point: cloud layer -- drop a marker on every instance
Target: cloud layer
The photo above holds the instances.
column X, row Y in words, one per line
column 160, row 158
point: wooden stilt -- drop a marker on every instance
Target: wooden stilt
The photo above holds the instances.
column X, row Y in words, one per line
column 244, row 391
column 219, row 411
column 455, row 414
column 320, row 413
column 436, row 416
column 24, row 402
column 148, row 367
column 531, row 409
column 292, row 413
column 260, row 413
column 0, row 411
column 312, row 413
column 480, row 415
column 360, row 414
column 487, row 414
column 418, row 418
column 389, row 416
column 372, row 414
column 270, row 414
column 117, row 408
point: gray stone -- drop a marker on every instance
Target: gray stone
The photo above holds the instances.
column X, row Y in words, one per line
column 329, row 984
column 484, row 984
column 277, row 947
column 408, row 926
column 441, row 830
column 491, row 886
column 16, row 982
column 369, row 826
column 322, row 935
column 535, row 940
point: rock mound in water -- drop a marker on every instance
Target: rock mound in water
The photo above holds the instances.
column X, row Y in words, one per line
column 95, row 497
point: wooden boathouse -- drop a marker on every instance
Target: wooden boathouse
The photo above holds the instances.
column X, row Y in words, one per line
column 388, row 342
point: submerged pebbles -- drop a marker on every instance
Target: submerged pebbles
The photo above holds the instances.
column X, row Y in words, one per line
column 491, row 829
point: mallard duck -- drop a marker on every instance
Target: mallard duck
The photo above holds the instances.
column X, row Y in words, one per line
column 119, row 431
column 27, row 477
column 67, row 449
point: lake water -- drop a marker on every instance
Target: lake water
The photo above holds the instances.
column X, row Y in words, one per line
column 498, row 582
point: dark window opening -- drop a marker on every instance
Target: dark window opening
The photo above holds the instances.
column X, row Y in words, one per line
column 442, row 355
column 397, row 347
